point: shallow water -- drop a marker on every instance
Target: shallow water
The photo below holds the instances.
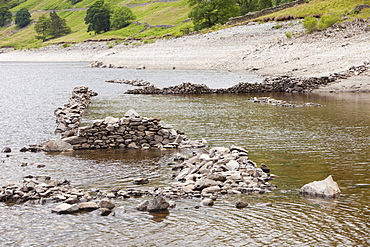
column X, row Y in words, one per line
column 300, row 145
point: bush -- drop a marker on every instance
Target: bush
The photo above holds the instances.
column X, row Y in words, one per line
column 327, row 21
column 310, row 23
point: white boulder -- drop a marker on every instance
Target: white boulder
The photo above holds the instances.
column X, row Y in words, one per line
column 324, row 188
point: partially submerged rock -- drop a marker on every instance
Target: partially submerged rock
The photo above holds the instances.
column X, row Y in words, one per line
column 325, row 188
column 155, row 205
column 56, row 145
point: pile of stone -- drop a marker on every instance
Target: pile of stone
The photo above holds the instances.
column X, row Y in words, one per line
column 208, row 174
column 69, row 116
column 41, row 189
column 134, row 82
column 184, row 88
column 287, row 84
column 282, row 103
column 131, row 131
column 222, row 171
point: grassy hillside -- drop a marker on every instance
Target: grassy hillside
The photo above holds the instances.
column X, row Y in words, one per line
column 338, row 8
column 169, row 13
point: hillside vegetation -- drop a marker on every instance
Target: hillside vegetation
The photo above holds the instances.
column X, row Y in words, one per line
column 153, row 19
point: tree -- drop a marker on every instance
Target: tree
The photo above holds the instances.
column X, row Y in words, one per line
column 98, row 17
column 58, row 26
column 207, row 13
column 247, row 6
column 22, row 18
column 5, row 16
column 121, row 17
column 42, row 27
column 264, row 4
column 51, row 27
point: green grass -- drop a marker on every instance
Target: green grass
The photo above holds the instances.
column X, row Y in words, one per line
column 313, row 7
column 171, row 13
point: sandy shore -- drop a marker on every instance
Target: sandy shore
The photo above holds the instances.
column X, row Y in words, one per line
column 254, row 48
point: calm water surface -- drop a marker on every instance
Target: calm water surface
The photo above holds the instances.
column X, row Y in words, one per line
column 299, row 144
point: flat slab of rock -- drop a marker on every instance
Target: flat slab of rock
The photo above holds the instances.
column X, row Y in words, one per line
column 66, row 208
column 57, row 145
column 325, row 188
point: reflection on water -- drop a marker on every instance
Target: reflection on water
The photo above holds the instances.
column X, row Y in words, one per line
column 299, row 144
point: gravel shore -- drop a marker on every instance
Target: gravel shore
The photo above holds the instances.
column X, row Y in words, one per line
column 264, row 49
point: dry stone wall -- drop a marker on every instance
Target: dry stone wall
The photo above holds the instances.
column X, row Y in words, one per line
column 69, row 116
column 130, row 131
column 253, row 15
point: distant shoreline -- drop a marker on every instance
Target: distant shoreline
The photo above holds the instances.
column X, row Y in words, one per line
column 255, row 48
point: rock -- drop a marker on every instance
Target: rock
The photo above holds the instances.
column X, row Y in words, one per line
column 265, row 168
column 106, row 204
column 241, row 204
column 88, row 206
column 131, row 114
column 120, row 210
column 105, row 211
column 324, row 188
column 140, row 181
column 232, row 165
column 143, row 206
column 207, row 202
column 56, row 145
column 7, row 150
column 66, row 208
column 157, row 204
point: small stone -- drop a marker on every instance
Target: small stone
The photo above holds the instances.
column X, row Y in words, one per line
column 265, row 168
column 132, row 114
column 7, row 150
column 140, row 181
column 207, row 202
column 88, row 206
column 66, row 208
column 105, row 211
column 241, row 204
column 106, row 204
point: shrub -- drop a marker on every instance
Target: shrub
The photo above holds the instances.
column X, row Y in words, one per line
column 289, row 35
column 327, row 21
column 310, row 23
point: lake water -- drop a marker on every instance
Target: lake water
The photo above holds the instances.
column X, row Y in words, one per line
column 300, row 145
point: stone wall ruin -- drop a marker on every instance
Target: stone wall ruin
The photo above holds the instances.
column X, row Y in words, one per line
column 130, row 131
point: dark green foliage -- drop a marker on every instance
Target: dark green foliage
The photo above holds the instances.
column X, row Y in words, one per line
column 22, row 18
column 58, row 26
column 121, row 17
column 51, row 27
column 247, row 6
column 98, row 17
column 42, row 26
column 207, row 13
column 5, row 16
column 74, row 1
column 264, row 4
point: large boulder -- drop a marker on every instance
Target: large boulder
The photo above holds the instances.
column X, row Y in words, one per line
column 56, row 145
column 325, row 188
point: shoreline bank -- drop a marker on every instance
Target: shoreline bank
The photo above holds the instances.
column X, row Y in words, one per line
column 262, row 49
